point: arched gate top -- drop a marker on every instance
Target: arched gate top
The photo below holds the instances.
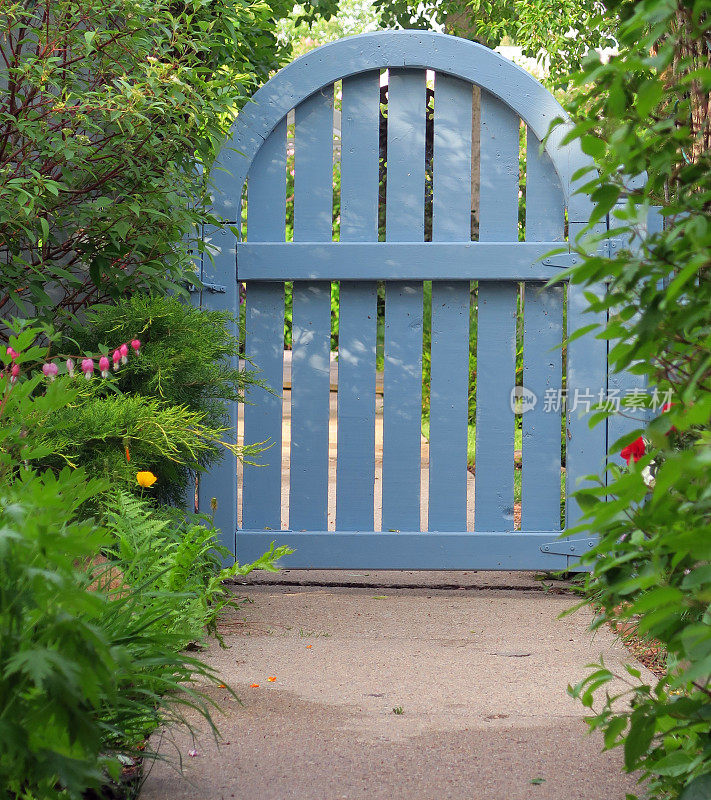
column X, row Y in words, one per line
column 442, row 53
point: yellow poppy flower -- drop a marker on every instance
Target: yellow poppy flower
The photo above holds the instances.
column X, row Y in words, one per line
column 146, row 479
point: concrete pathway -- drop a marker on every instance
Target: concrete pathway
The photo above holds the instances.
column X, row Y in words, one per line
column 477, row 662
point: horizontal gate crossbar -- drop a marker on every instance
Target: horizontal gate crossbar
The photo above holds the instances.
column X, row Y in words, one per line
column 335, row 261
column 416, row 550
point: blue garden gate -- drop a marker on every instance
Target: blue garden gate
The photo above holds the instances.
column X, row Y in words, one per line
column 410, row 76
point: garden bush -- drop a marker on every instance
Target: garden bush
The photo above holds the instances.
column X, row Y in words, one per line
column 648, row 110
column 185, row 353
column 56, row 666
column 117, row 433
column 100, row 592
column 82, row 673
column 111, row 114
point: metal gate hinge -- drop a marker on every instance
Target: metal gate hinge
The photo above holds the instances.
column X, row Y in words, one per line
column 568, row 547
column 563, row 260
column 213, row 288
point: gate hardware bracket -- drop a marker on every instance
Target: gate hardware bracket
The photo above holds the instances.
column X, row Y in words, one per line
column 562, row 260
column 568, row 547
column 213, row 288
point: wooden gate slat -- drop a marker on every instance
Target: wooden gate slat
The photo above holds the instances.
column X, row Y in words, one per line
column 542, row 355
column 355, row 468
column 311, row 316
column 264, row 343
column 405, row 216
column 449, row 376
column 496, row 321
column 586, row 447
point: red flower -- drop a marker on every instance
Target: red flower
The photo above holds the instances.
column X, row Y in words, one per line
column 634, row 450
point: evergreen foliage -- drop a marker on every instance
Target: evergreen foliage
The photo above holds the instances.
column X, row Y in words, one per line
column 187, row 355
column 97, row 431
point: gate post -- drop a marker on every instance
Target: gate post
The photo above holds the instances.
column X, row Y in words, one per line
column 217, row 488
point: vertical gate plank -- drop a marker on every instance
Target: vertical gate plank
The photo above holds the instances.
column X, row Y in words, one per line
column 496, row 333
column 264, row 343
column 586, row 447
column 405, row 221
column 542, row 355
column 355, row 470
column 449, row 381
column 311, row 316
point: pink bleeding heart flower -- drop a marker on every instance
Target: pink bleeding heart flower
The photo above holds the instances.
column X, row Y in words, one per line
column 124, row 353
column 104, row 366
column 12, row 353
column 136, row 345
column 70, row 367
column 87, row 367
column 116, row 358
column 50, row 370
column 14, row 372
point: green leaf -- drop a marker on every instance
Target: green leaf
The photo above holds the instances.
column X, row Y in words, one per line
column 613, row 730
column 592, row 146
column 698, row 789
column 648, row 97
column 638, row 738
column 605, row 198
column 580, row 332
column 675, row 764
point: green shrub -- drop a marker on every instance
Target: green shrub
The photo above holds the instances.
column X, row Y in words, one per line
column 185, row 353
column 87, row 675
column 96, row 432
column 108, row 109
column 56, row 664
column 82, row 673
column 648, row 109
column 171, row 413
column 72, row 421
